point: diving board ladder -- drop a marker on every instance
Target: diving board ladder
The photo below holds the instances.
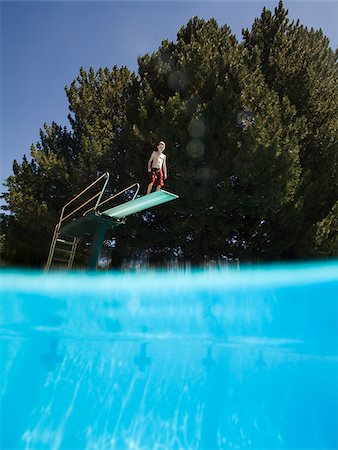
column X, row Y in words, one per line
column 63, row 247
column 62, row 252
column 95, row 222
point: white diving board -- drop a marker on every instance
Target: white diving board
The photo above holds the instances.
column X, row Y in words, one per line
column 139, row 204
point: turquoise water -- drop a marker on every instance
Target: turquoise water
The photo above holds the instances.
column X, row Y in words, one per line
column 204, row 360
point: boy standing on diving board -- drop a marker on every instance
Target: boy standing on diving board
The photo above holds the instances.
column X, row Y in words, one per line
column 157, row 168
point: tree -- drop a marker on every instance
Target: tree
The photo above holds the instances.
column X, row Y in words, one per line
column 65, row 162
column 298, row 64
column 326, row 235
column 36, row 192
column 97, row 103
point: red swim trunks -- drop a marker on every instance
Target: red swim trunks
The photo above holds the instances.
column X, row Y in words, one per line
column 156, row 177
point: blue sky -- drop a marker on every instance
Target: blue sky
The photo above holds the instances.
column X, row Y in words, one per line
column 43, row 45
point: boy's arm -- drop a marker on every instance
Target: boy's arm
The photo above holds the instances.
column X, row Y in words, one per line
column 150, row 160
column 165, row 167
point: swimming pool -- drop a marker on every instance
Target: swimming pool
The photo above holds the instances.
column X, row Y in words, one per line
column 155, row 360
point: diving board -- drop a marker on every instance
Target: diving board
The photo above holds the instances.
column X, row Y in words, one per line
column 140, row 204
column 96, row 223
column 85, row 226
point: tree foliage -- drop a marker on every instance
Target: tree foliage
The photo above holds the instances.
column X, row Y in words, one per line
column 299, row 64
column 251, row 134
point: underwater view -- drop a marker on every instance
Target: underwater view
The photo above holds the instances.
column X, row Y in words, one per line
column 213, row 359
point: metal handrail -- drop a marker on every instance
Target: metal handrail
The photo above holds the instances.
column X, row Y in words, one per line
column 99, row 194
column 115, row 195
column 83, row 204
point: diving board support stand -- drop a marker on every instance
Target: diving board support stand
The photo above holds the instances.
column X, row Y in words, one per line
column 100, row 232
column 94, row 222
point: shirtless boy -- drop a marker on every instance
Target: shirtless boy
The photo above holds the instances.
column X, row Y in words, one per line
column 157, row 168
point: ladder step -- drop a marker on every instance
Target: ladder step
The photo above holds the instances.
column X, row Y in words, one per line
column 61, row 260
column 62, row 241
column 63, row 250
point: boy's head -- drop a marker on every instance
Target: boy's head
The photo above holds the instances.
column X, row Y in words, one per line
column 161, row 146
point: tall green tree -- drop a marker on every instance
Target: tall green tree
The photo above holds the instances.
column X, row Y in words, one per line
column 64, row 162
column 97, row 104
column 299, row 64
column 35, row 194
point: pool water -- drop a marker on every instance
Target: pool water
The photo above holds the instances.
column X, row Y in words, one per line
column 238, row 359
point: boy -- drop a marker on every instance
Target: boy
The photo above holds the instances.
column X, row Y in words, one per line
column 157, row 168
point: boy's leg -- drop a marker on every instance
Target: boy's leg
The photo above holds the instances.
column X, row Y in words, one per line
column 160, row 182
column 150, row 186
column 152, row 180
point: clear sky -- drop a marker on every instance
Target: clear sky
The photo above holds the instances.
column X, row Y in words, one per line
column 44, row 43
